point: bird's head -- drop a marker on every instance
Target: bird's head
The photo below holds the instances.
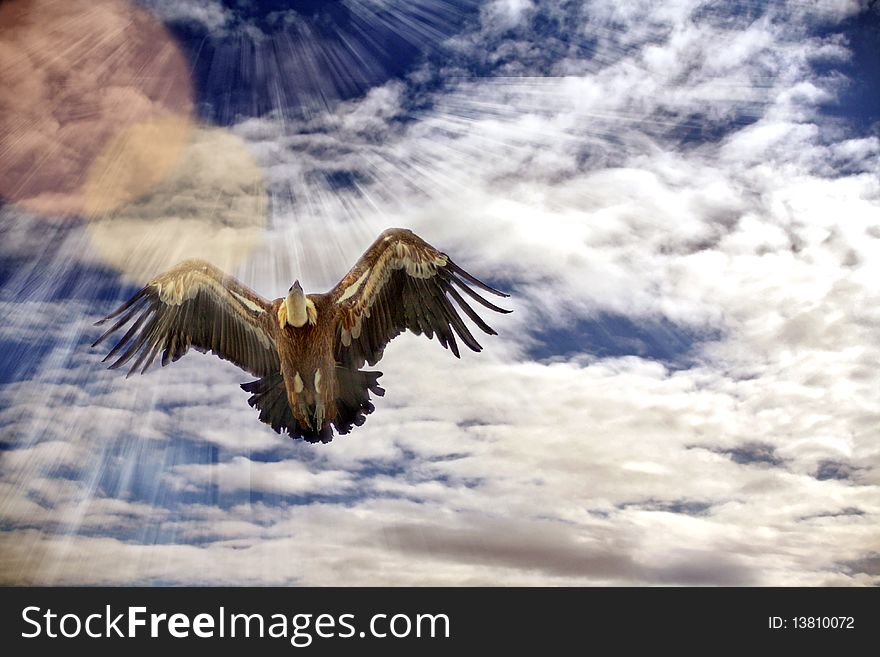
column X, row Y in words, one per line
column 295, row 301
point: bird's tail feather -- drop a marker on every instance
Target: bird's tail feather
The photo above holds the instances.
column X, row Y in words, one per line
column 269, row 395
column 353, row 397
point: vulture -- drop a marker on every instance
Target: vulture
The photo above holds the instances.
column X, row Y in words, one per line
column 308, row 351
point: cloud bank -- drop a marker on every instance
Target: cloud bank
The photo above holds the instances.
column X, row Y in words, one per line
column 670, row 171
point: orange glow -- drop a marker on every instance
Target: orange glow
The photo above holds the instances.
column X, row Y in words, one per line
column 211, row 205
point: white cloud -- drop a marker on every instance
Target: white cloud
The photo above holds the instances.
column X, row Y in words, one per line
column 213, row 15
column 286, row 477
column 506, row 14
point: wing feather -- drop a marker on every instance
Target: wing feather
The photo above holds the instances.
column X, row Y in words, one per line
column 403, row 283
column 194, row 305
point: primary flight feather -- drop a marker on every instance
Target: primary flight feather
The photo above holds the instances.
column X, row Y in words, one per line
column 308, row 350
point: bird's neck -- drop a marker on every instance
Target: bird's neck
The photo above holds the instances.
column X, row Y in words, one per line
column 297, row 310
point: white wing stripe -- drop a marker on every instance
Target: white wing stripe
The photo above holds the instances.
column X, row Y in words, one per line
column 247, row 302
column 352, row 289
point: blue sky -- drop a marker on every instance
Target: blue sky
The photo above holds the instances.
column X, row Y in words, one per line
column 681, row 198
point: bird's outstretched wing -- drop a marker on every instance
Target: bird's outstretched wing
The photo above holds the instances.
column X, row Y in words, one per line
column 194, row 304
column 401, row 282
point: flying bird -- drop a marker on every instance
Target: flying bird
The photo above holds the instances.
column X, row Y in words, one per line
column 308, row 350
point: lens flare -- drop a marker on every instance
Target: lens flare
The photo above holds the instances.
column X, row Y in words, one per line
column 74, row 77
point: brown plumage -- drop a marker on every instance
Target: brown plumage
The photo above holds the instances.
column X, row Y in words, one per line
column 307, row 350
